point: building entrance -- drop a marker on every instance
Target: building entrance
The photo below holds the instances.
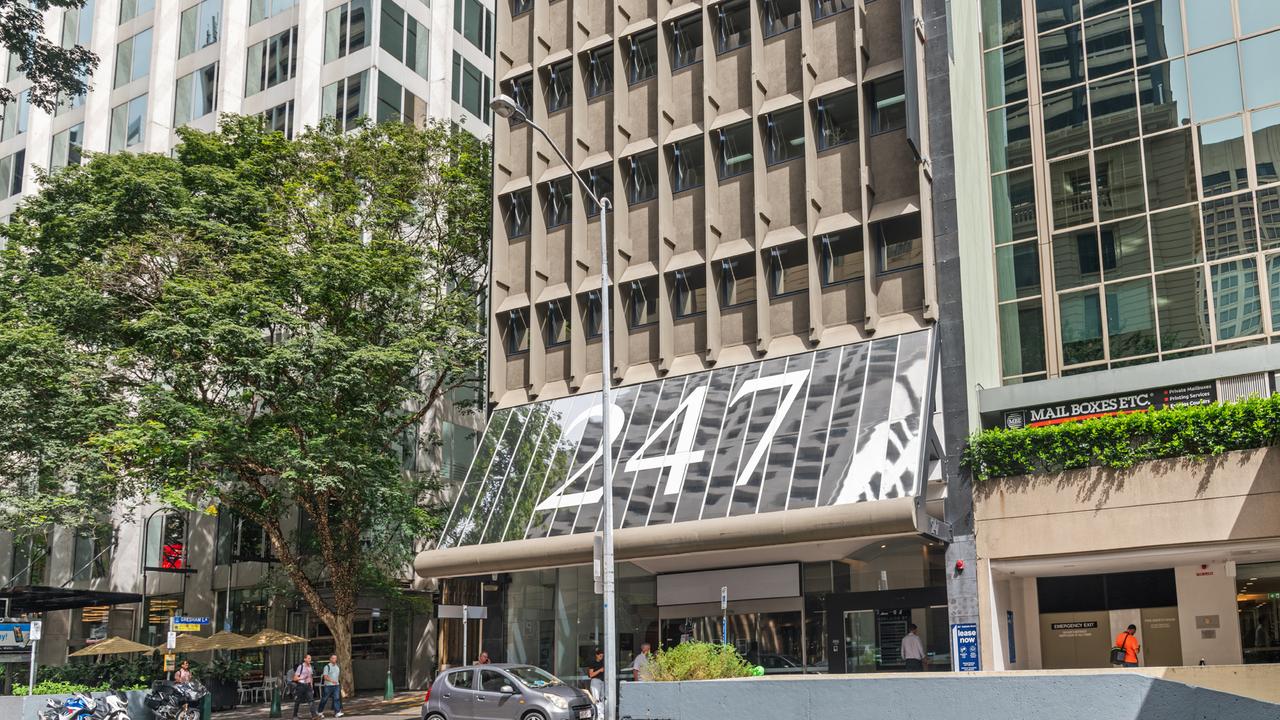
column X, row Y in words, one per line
column 872, row 626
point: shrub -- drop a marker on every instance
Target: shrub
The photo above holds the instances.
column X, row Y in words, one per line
column 116, row 673
column 1120, row 441
column 697, row 661
column 56, row 687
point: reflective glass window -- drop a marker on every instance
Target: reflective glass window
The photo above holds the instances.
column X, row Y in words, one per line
column 1066, row 122
column 1001, row 21
column 1053, row 13
column 835, row 119
column 1157, row 31
column 1113, row 109
column 1266, row 144
column 1237, row 307
column 842, row 256
column 1273, row 287
column 1258, row 60
column 1118, row 175
column 788, row 269
column 641, row 177
column 1124, row 248
column 1171, row 173
column 1013, row 206
column 732, row 25
column 784, row 135
column 1175, row 238
column 1215, row 82
column 1229, row 226
column 1222, row 162
column 1208, row 23
column 1061, row 59
column 1108, row 47
column 1080, row 323
column 1258, row 15
column 1269, row 217
column 1018, row 270
column 1163, row 96
column 1071, row 188
column 1009, row 137
column 1131, row 318
column 1022, row 337
column 1006, row 75
column 733, row 150
column 1098, row 7
column 1077, row 259
column 1183, row 307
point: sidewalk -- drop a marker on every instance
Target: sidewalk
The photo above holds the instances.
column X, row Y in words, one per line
column 403, row 705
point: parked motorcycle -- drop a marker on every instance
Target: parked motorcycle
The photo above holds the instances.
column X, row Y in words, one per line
column 174, row 701
column 81, row 706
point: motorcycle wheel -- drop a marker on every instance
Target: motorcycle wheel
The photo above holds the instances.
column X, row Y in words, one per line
column 189, row 714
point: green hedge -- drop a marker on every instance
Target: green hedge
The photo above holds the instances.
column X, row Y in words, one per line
column 1120, row 441
column 697, row 661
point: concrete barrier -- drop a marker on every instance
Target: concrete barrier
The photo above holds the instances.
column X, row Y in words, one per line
column 14, row 707
column 1114, row 695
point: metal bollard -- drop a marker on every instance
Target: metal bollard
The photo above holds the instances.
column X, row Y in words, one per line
column 275, row 702
column 206, row 706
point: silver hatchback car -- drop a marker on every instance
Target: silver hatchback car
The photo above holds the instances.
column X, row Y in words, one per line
column 504, row 692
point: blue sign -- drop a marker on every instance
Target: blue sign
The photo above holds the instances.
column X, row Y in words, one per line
column 964, row 636
column 15, row 636
column 180, row 620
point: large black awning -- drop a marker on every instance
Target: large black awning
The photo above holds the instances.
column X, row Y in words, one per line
column 37, row 599
column 794, row 436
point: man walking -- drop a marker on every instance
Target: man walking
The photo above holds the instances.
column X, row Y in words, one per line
column 913, row 650
column 330, row 687
column 302, row 690
column 1128, row 641
column 641, row 663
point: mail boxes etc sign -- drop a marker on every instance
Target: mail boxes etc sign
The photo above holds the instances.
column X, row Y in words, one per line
column 1140, row 401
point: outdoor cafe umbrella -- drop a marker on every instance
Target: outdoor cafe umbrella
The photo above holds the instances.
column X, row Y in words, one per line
column 185, row 644
column 112, row 646
column 227, row 640
column 276, row 638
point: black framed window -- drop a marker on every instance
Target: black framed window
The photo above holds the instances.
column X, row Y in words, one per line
column 827, row 8
column 516, row 208
column 520, row 90
column 688, row 164
column 642, row 177
column 685, row 38
column 600, row 180
column 516, row 333
column 733, row 25
column 835, row 119
column 599, row 71
column 788, row 269
column 900, row 244
column 888, row 105
column 520, row 7
column 642, row 56
column 733, row 150
column 555, row 323
column 779, row 16
column 784, row 135
column 737, row 281
column 557, row 202
column 642, row 302
column 689, row 292
column 559, row 86
column 841, row 256
column 591, row 318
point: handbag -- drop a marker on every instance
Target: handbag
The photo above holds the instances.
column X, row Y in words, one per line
column 1118, row 653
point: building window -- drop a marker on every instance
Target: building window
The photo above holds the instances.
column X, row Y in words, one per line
column 239, row 539
column 835, row 119
column 591, row 318
column 557, row 202
column 271, row 62
column 395, row 104
column 196, row 95
column 515, row 213
column 642, row 302
column 280, row 119
column 200, row 27
column 67, row 147
column 788, row 269
column 689, row 292
column 784, row 135
column 841, row 256
column 92, row 553
column 642, row 177
column 458, row 447
column 685, row 38
column 599, row 71
column 391, row 30
column 133, row 58
column 516, row 333
column 733, row 150
column 888, row 100
column 130, row 9
column 737, row 281
column 475, row 23
column 558, row 80
column 30, row 560
column 346, row 29
column 15, row 116
column 779, row 16
column 262, row 9
column 600, row 180
column 12, row 168
column 471, row 87
column 345, row 100
column 555, row 323
column 642, row 56
column 827, row 8
column 128, row 124
column 77, row 25
column 520, row 7
column 166, row 542
column 733, row 25
column 520, row 90
column 405, row 38
column 687, row 164
column 899, row 243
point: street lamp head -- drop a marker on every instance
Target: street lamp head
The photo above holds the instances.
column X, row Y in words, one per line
column 504, row 107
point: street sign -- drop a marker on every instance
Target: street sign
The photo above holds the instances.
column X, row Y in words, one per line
column 474, row 612
column 189, row 624
column 724, row 597
column 964, row 638
column 37, row 629
column 172, row 642
column 170, row 662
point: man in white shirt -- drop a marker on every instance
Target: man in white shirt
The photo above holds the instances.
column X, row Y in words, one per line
column 641, row 663
column 913, row 650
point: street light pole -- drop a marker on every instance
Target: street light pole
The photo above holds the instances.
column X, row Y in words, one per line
column 504, row 107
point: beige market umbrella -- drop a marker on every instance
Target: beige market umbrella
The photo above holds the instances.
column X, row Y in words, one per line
column 185, row 644
column 271, row 638
column 112, row 646
column 227, row 640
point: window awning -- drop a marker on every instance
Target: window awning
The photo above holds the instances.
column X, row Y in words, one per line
column 810, row 447
column 37, row 598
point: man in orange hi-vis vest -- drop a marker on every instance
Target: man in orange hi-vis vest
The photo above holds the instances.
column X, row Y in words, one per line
column 1128, row 641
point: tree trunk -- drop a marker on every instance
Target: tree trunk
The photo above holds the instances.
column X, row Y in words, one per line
column 341, row 628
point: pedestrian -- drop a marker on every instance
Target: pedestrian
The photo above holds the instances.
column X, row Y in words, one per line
column 483, row 659
column 595, row 674
column 913, row 650
column 302, row 690
column 330, row 687
column 183, row 675
column 1128, row 641
column 641, row 663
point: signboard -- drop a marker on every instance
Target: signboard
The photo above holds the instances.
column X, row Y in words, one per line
column 964, row 637
column 170, row 662
column 474, row 612
column 1139, row 401
column 189, row 624
column 37, row 629
column 15, row 636
column 172, row 641
column 831, row 427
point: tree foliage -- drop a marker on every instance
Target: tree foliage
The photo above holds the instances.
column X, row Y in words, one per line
column 255, row 322
column 1120, row 441
column 52, row 69
column 697, row 661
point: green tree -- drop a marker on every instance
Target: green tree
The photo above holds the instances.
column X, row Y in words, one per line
column 52, row 69
column 254, row 322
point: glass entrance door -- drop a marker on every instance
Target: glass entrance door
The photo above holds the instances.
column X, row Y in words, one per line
column 873, row 638
column 861, row 650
